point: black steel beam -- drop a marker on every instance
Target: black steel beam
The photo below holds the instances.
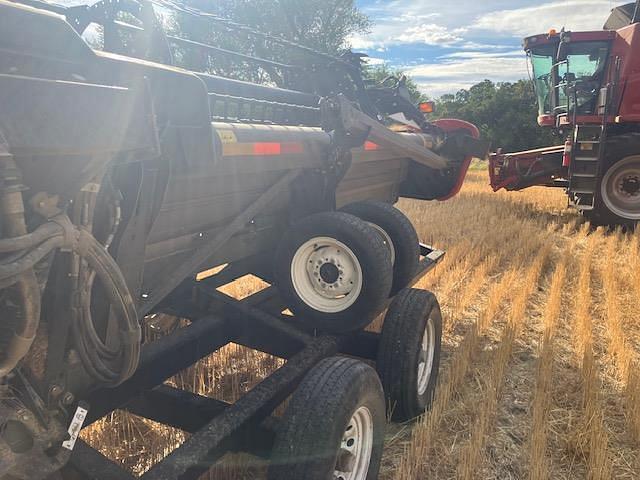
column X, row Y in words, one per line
column 201, row 450
column 163, row 359
column 190, row 412
column 361, row 344
column 255, row 318
column 431, row 258
column 176, row 408
column 89, row 464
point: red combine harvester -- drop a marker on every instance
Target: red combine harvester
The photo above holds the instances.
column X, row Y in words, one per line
column 587, row 89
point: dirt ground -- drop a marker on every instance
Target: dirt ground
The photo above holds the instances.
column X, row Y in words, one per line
column 539, row 376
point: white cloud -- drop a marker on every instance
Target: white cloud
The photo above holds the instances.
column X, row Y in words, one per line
column 477, row 39
column 360, row 42
column 457, row 73
column 476, row 54
column 482, row 46
column 407, row 29
column 461, row 23
column 571, row 14
column 375, row 61
column 430, row 34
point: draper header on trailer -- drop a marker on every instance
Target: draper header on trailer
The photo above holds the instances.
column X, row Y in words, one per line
column 127, row 167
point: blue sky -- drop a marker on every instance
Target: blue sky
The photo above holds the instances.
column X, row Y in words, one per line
column 446, row 46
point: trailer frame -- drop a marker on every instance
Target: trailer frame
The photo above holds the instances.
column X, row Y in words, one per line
column 217, row 427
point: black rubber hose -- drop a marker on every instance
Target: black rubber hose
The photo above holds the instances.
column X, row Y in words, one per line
column 27, row 290
column 27, row 294
column 107, row 365
column 97, row 357
column 29, row 260
column 30, row 240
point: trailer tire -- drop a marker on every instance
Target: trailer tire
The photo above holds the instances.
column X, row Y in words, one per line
column 334, row 272
column 397, row 232
column 334, row 422
column 411, row 336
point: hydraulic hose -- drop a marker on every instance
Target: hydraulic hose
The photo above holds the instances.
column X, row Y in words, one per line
column 30, row 258
column 30, row 240
column 26, row 288
column 109, row 365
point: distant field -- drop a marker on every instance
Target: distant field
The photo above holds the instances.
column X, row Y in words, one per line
column 540, row 374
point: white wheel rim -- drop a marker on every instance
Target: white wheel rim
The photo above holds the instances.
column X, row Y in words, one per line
column 425, row 358
column 356, row 447
column 326, row 275
column 387, row 241
column 620, row 188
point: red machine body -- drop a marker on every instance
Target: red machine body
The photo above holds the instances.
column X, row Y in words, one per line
column 587, row 87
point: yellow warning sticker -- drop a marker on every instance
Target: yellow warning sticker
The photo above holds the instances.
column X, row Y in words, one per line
column 227, row 136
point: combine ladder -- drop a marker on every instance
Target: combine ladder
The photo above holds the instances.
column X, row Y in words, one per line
column 584, row 173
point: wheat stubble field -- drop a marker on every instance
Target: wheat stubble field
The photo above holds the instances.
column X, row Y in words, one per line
column 541, row 348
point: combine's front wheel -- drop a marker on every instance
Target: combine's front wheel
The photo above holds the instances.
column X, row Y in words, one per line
column 617, row 200
column 619, row 193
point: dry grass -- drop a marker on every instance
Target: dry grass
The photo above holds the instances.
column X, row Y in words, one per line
column 540, row 374
column 539, row 468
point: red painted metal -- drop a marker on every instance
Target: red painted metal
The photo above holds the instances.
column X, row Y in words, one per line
column 626, row 46
column 566, row 155
column 547, row 120
column 514, row 171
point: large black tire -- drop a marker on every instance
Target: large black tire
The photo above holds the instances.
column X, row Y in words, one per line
column 355, row 250
column 617, row 148
column 401, row 234
column 412, row 314
column 319, row 423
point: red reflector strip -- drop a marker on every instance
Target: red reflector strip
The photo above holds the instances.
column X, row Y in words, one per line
column 371, row 146
column 265, row 148
column 261, row 149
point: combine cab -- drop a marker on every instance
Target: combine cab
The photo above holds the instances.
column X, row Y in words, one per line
column 587, row 89
column 132, row 187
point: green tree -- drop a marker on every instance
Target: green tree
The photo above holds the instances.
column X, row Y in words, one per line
column 505, row 113
column 378, row 73
column 323, row 25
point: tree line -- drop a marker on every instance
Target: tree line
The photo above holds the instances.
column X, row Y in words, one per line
column 505, row 113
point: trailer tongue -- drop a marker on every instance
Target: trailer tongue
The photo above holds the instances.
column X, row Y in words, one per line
column 132, row 187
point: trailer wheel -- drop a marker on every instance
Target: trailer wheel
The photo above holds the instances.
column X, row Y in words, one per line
column 409, row 352
column 334, row 425
column 334, row 271
column 398, row 233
